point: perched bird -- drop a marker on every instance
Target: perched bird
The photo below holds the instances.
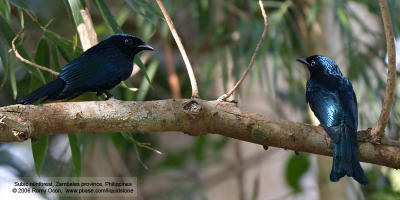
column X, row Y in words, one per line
column 332, row 99
column 98, row 69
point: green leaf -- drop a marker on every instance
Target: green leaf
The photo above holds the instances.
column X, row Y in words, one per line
column 200, row 148
column 145, row 85
column 135, row 8
column 8, row 33
column 42, row 53
column 66, row 47
column 54, row 53
column 107, row 17
column 39, row 150
column 76, row 6
column 42, row 58
column 70, row 15
column 21, row 4
column 150, row 10
column 21, row 17
column 5, row 9
column 4, row 62
column 123, row 85
column 76, row 153
column 296, row 167
column 13, row 81
column 139, row 63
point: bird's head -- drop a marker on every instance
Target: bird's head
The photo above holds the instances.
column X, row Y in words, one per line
column 128, row 44
column 319, row 65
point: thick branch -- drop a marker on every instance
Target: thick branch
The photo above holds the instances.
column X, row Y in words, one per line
column 192, row 77
column 378, row 132
column 194, row 117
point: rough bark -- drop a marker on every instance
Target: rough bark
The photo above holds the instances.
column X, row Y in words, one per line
column 191, row 116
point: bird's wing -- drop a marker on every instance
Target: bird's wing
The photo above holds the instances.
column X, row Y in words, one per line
column 326, row 107
column 89, row 71
column 348, row 101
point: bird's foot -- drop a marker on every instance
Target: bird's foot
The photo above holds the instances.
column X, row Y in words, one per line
column 108, row 95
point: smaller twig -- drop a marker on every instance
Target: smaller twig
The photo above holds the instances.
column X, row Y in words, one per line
column 253, row 57
column 193, row 82
column 27, row 61
column 378, row 131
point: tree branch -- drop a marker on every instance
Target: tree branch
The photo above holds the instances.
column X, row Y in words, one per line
column 25, row 60
column 193, row 82
column 378, row 131
column 192, row 116
column 253, row 57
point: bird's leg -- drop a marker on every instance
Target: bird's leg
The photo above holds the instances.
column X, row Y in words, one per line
column 108, row 94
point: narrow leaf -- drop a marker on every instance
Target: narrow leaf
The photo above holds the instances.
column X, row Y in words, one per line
column 5, row 9
column 66, row 47
column 76, row 6
column 54, row 53
column 4, row 63
column 136, row 8
column 39, row 150
column 145, row 85
column 42, row 53
column 8, row 33
column 11, row 65
column 107, row 17
column 150, row 8
column 139, row 63
column 21, row 17
column 123, row 84
column 21, row 4
column 76, row 153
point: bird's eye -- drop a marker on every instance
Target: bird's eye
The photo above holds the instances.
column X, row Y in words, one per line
column 312, row 63
column 128, row 41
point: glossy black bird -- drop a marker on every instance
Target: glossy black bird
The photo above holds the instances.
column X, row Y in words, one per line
column 332, row 99
column 98, row 69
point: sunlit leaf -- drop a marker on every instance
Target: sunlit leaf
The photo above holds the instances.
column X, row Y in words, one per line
column 76, row 6
column 123, row 84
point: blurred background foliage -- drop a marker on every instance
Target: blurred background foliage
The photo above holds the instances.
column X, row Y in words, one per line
column 220, row 37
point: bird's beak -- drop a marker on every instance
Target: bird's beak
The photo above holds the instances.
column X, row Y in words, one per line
column 145, row 46
column 302, row 60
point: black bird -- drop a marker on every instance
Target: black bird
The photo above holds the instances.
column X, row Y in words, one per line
column 98, row 69
column 332, row 99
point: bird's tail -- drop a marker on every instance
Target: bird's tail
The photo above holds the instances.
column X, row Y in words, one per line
column 345, row 157
column 50, row 90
